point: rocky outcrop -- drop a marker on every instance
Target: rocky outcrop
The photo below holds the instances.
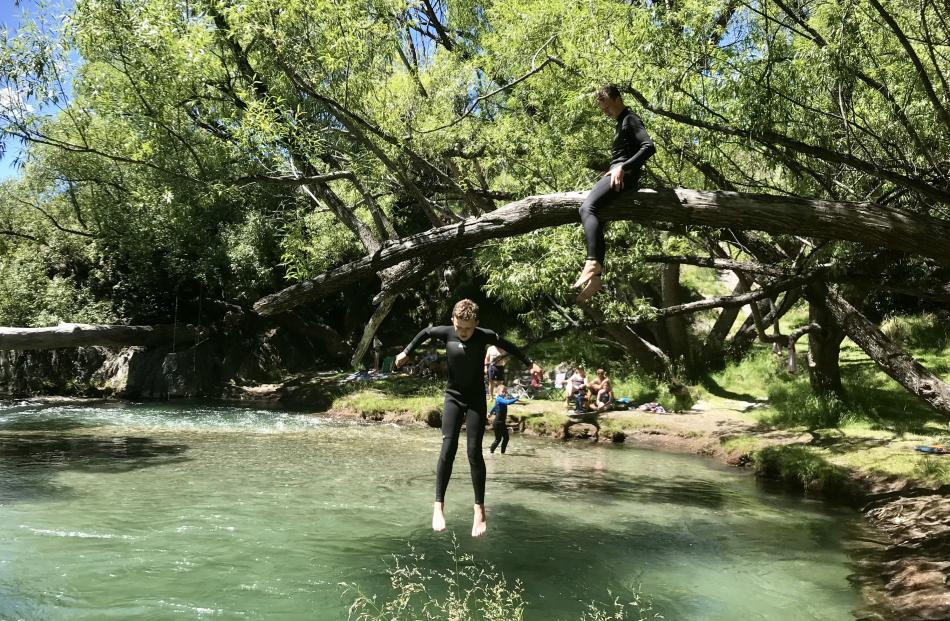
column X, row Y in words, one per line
column 218, row 367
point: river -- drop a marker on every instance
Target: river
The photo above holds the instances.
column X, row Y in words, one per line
column 187, row 511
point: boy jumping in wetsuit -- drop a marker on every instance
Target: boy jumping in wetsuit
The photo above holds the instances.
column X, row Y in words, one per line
column 500, row 425
column 465, row 345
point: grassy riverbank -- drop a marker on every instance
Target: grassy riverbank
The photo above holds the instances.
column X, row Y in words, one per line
column 753, row 413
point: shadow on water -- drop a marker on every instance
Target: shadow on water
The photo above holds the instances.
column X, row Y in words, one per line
column 605, row 486
column 30, row 462
column 42, row 424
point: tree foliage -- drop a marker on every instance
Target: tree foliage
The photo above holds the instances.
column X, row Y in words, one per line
column 223, row 148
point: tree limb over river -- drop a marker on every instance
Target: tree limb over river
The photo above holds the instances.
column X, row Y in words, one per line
column 106, row 335
column 867, row 223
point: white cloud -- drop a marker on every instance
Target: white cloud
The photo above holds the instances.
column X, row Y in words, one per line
column 13, row 101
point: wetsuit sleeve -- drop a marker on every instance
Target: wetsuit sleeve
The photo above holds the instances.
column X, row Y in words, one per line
column 511, row 349
column 422, row 337
column 500, row 399
column 637, row 137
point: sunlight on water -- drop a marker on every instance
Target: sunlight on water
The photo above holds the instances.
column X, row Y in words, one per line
column 193, row 511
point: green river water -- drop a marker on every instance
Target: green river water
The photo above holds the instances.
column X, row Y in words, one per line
column 189, row 511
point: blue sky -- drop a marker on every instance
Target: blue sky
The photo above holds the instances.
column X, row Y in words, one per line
column 10, row 16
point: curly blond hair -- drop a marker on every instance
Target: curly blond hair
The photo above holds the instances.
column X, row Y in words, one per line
column 465, row 310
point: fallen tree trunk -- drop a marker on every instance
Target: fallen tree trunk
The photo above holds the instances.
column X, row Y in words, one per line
column 83, row 335
column 893, row 360
column 862, row 222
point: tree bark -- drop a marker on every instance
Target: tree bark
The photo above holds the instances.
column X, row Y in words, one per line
column 745, row 336
column 863, row 222
column 83, row 335
column 893, row 360
column 793, row 341
column 824, row 346
column 395, row 281
column 714, row 346
column 369, row 331
column 675, row 326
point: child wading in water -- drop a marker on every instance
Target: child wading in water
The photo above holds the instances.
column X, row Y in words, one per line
column 500, row 425
column 465, row 345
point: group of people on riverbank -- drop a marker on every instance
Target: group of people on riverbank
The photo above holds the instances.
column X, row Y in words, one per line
column 585, row 394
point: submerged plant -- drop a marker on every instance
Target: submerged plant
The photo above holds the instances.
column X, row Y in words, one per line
column 466, row 591
column 637, row 610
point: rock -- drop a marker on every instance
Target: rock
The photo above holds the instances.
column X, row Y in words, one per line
column 433, row 417
column 400, row 418
column 738, row 459
column 581, row 431
column 618, row 437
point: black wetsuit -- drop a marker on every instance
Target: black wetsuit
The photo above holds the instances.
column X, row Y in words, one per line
column 632, row 147
column 464, row 400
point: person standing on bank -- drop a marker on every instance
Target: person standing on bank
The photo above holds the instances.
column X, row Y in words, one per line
column 465, row 345
column 495, row 367
column 632, row 147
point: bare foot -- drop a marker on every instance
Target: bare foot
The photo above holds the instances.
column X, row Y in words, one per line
column 480, row 524
column 438, row 517
column 593, row 286
column 591, row 269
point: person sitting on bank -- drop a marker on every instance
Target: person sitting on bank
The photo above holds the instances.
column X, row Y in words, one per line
column 500, row 422
column 576, row 383
column 604, row 400
column 535, row 384
column 595, row 384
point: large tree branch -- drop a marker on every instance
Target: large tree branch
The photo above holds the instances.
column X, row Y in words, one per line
column 720, row 264
column 436, row 23
column 730, row 301
column 894, row 361
column 862, row 222
column 82, row 335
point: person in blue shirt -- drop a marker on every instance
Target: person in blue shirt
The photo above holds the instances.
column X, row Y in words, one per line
column 500, row 424
column 465, row 345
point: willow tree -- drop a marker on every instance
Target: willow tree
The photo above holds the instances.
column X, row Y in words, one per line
column 320, row 123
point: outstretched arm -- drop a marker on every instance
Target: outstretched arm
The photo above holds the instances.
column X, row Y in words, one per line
column 423, row 336
column 500, row 399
